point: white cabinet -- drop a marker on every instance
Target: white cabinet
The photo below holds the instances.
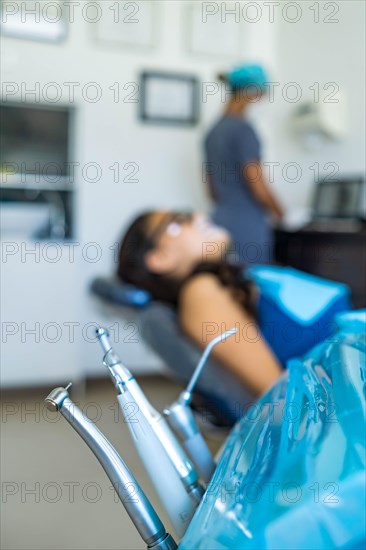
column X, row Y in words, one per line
column 39, row 302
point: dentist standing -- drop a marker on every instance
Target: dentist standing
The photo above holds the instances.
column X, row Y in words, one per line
column 244, row 204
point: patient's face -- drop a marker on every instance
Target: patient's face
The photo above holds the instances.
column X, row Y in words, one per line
column 184, row 240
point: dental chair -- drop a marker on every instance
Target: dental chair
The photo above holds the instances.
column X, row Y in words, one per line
column 219, row 397
column 295, row 312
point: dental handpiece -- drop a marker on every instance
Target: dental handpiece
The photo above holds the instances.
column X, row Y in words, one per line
column 171, row 472
column 183, row 422
column 139, row 509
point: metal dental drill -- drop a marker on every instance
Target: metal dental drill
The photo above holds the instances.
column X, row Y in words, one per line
column 182, row 420
column 171, row 472
column 139, row 509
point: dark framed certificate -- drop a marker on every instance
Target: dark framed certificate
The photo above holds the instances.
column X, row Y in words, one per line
column 169, row 98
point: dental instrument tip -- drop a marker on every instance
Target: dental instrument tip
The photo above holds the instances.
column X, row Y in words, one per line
column 101, row 331
column 103, row 337
column 228, row 333
column 55, row 399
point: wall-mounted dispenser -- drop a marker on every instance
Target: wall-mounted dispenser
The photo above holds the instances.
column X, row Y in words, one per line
column 321, row 121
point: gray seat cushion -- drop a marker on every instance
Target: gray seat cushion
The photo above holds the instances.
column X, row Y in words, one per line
column 223, row 392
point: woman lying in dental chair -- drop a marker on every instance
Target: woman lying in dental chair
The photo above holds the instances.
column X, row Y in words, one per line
column 162, row 252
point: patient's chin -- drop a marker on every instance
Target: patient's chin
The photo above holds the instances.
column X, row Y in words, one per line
column 215, row 247
column 220, row 235
column 216, row 233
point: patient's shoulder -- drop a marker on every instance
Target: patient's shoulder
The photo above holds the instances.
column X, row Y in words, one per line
column 200, row 286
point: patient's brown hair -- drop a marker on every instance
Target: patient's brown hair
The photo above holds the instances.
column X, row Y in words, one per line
column 132, row 269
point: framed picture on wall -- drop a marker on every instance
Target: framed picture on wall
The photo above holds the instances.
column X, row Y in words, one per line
column 128, row 24
column 169, row 98
column 30, row 20
column 210, row 33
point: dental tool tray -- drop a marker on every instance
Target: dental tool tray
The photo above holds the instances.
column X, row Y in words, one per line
column 292, row 472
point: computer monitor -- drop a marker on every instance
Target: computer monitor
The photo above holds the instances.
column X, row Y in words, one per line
column 343, row 198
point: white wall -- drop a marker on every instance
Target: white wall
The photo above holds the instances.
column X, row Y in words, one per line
column 325, row 52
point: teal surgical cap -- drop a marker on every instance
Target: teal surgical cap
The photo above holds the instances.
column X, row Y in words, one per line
column 246, row 76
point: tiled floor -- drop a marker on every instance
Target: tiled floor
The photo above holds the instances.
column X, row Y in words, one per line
column 55, row 495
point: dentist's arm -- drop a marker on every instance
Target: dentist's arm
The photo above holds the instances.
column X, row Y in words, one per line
column 210, row 187
column 205, row 303
column 254, row 178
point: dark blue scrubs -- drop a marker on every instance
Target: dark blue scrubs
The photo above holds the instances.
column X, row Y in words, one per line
column 231, row 144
